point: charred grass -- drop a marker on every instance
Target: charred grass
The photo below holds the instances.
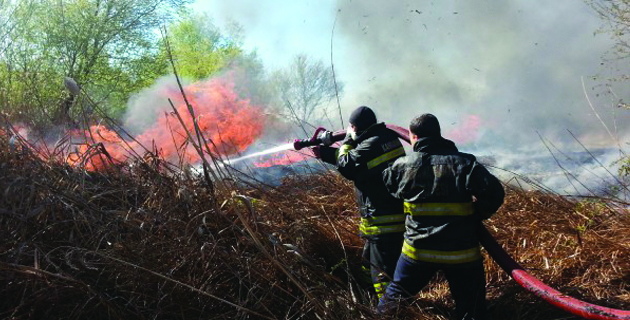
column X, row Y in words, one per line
column 142, row 242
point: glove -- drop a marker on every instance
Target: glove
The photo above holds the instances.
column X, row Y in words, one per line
column 326, row 138
column 344, row 149
column 316, row 152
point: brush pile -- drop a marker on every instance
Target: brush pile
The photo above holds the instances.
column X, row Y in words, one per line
column 144, row 241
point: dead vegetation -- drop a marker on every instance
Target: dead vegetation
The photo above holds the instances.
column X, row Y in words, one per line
column 143, row 241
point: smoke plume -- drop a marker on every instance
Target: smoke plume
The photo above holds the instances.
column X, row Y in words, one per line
column 496, row 73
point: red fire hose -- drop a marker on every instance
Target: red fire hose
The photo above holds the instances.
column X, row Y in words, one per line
column 529, row 282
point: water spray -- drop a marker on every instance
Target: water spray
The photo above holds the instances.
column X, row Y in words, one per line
column 279, row 148
column 319, row 137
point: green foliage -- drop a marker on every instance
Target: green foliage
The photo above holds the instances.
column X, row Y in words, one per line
column 198, row 47
column 107, row 47
column 591, row 210
column 27, row 90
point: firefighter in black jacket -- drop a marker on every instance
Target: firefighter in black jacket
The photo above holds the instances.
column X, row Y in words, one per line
column 368, row 149
column 446, row 194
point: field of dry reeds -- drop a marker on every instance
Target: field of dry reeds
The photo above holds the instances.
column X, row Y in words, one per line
column 144, row 241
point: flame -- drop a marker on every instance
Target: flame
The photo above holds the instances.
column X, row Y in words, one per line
column 228, row 123
column 22, row 130
column 283, row 159
column 468, row 131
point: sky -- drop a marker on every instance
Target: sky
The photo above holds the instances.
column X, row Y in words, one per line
column 499, row 74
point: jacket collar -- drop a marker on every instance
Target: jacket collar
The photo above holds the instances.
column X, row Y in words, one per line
column 370, row 131
column 434, row 145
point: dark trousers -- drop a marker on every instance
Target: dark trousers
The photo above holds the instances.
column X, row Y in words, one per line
column 382, row 255
column 466, row 281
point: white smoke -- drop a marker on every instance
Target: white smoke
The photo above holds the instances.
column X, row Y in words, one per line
column 523, row 68
column 146, row 106
column 516, row 66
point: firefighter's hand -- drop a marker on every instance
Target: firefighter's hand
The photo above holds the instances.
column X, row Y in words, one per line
column 326, row 138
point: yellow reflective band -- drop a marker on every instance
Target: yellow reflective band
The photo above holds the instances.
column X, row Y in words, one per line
column 344, row 149
column 375, row 230
column 380, row 287
column 386, row 157
column 439, row 209
column 376, row 220
column 436, row 256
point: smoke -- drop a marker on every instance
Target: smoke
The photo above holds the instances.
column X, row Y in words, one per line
column 500, row 75
column 515, row 65
column 496, row 73
column 144, row 107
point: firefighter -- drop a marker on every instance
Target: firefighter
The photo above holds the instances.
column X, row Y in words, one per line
column 368, row 149
column 446, row 195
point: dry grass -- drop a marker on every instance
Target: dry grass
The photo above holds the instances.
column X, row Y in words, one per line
column 148, row 242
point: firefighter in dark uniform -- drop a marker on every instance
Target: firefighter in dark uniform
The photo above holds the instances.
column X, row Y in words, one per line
column 446, row 194
column 368, row 149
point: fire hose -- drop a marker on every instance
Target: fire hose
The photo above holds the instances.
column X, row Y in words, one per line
column 503, row 259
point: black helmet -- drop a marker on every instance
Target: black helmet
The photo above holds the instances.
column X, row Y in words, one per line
column 362, row 118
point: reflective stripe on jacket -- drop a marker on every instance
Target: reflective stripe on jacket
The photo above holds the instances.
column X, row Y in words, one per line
column 376, row 225
column 439, row 209
column 442, row 256
column 437, row 183
column 363, row 162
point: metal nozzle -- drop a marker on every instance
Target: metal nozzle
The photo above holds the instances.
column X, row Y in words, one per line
column 299, row 144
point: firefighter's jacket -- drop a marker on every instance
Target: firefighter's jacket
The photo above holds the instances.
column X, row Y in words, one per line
column 437, row 184
column 363, row 161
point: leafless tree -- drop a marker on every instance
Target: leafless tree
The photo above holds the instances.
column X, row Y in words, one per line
column 305, row 89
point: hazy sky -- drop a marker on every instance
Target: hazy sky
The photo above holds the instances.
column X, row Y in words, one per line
column 514, row 67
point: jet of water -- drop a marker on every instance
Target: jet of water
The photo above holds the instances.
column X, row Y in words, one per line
column 279, row 148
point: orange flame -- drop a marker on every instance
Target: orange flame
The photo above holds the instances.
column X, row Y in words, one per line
column 229, row 124
column 468, row 131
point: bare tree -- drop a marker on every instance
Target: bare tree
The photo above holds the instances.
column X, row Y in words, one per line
column 305, row 89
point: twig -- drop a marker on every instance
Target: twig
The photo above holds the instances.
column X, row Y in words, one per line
column 181, row 284
column 197, row 148
column 206, row 166
column 597, row 114
column 345, row 255
column 332, row 67
column 249, row 206
column 566, row 172
column 298, row 120
column 596, row 160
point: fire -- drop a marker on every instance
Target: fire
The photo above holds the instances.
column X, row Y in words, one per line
column 468, row 131
column 108, row 148
column 229, row 124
